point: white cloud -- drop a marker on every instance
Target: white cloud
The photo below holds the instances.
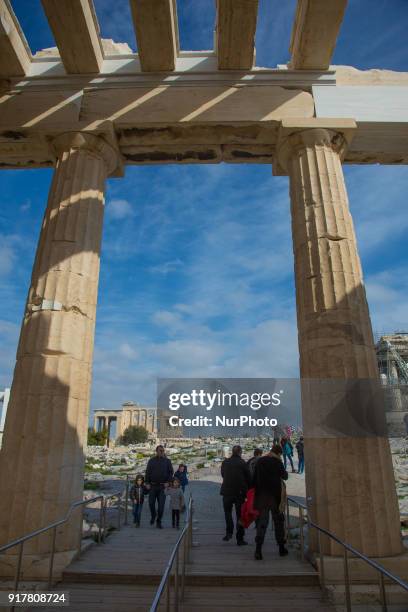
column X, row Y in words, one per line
column 119, row 209
column 387, row 294
column 128, row 351
column 7, row 259
column 26, row 206
column 9, row 245
column 167, row 266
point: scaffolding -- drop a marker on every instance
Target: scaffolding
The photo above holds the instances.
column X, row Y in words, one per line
column 392, row 359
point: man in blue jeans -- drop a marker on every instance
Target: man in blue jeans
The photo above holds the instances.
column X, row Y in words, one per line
column 159, row 472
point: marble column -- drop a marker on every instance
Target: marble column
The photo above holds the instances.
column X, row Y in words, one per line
column 42, row 459
column 349, row 473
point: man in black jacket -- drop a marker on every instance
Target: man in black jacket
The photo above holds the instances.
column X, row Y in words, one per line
column 159, row 472
column 235, row 484
column 268, row 477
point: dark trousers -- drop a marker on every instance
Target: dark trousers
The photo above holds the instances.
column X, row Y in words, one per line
column 175, row 518
column 263, row 520
column 137, row 513
column 301, row 465
column 285, row 461
column 157, row 493
column 229, row 502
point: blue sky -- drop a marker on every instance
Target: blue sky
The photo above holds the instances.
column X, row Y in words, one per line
column 197, row 267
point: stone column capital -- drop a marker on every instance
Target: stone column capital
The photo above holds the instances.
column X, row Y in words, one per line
column 95, row 144
column 304, row 133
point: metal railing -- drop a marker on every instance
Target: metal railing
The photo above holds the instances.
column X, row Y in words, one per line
column 383, row 573
column 127, row 489
column 179, row 577
column 53, row 526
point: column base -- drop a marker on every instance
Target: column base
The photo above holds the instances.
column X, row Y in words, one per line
column 359, row 571
column 36, row 567
column 366, row 596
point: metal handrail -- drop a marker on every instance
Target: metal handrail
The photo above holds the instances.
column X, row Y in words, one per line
column 347, row 548
column 186, row 536
column 81, row 503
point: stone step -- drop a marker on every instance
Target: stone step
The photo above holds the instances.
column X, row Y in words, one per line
column 261, row 599
column 108, row 598
column 203, row 578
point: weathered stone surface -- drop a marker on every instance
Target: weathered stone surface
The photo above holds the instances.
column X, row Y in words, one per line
column 15, row 55
column 156, row 29
column 235, row 33
column 76, row 31
column 315, row 32
column 351, row 492
column 41, row 463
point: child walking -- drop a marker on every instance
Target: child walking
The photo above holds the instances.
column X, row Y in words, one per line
column 176, row 501
column 137, row 494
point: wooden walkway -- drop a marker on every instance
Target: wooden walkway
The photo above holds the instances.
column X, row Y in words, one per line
column 123, row 574
column 223, row 576
column 131, row 555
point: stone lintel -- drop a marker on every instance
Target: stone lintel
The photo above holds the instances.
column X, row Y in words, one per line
column 323, row 128
column 235, row 33
column 15, row 54
column 156, row 28
column 76, row 32
column 315, row 30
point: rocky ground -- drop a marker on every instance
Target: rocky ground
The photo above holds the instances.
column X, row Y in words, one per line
column 107, row 469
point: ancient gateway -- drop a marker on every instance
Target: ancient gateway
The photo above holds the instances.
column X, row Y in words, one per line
column 129, row 414
column 88, row 109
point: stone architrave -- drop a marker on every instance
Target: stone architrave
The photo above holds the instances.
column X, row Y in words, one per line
column 42, row 459
column 349, row 474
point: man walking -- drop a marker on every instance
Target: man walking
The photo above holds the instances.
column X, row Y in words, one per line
column 235, row 484
column 268, row 477
column 300, row 447
column 159, row 472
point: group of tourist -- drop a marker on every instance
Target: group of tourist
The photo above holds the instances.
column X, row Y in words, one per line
column 260, row 481
column 160, row 481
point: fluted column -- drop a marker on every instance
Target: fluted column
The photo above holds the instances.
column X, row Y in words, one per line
column 349, row 474
column 41, row 462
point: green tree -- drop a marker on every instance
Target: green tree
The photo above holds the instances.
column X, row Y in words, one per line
column 97, row 438
column 135, row 434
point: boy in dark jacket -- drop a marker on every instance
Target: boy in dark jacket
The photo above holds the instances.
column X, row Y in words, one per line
column 137, row 493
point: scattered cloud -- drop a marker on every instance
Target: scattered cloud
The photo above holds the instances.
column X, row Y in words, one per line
column 128, row 351
column 119, row 209
column 7, row 259
column 167, row 266
column 25, row 206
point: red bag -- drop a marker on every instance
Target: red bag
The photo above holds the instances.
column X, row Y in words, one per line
column 248, row 513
